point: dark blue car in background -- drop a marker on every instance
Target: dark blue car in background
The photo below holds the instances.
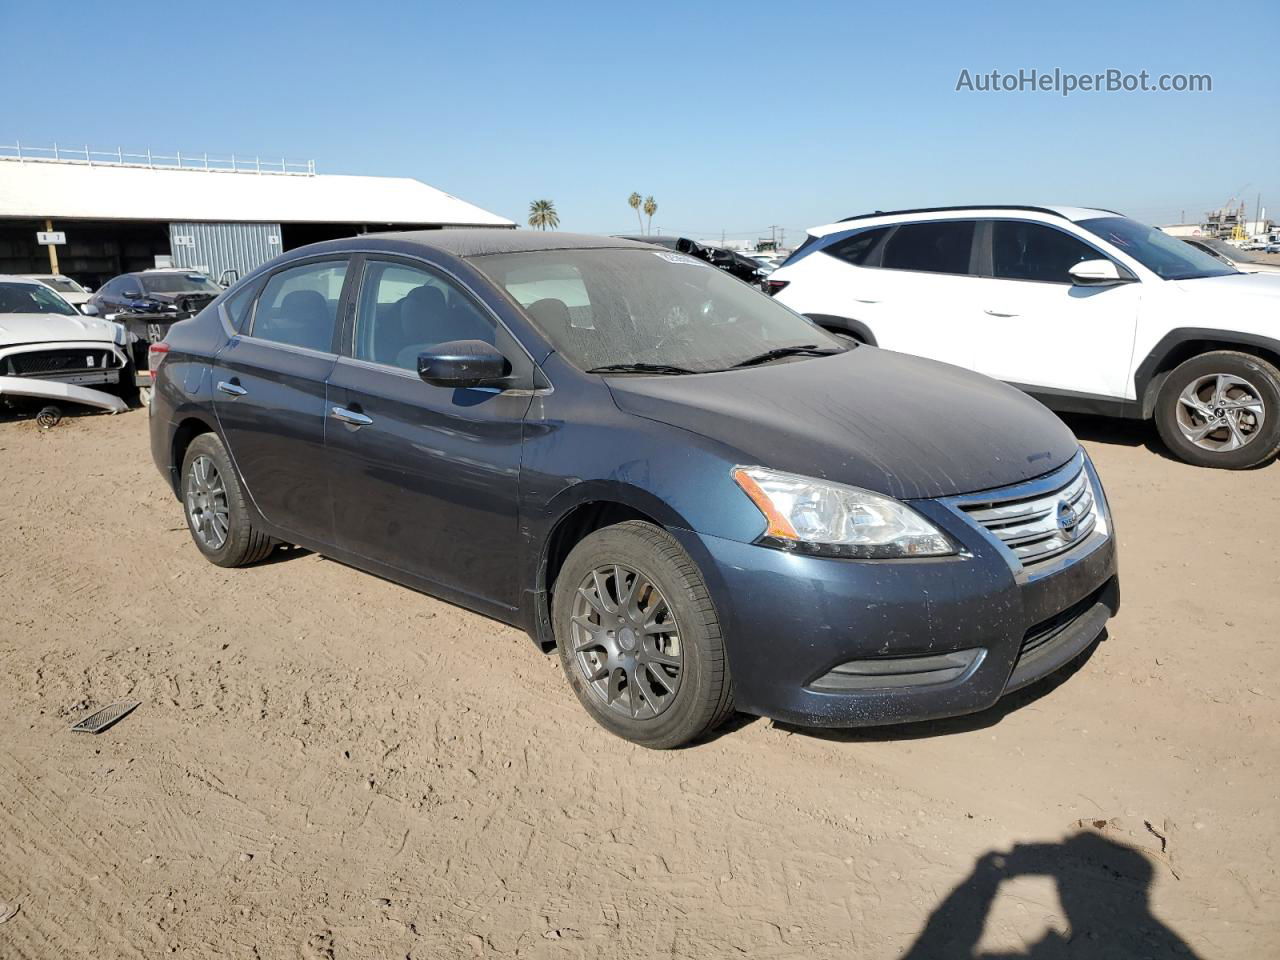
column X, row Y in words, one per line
column 701, row 499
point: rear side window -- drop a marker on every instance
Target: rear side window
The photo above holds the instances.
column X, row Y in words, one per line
column 1033, row 251
column 238, row 307
column 298, row 306
column 943, row 246
column 857, row 248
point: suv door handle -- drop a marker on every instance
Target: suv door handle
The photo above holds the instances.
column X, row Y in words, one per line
column 350, row 416
column 997, row 313
column 232, row 389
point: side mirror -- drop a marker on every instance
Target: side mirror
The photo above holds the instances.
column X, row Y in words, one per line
column 133, row 294
column 463, row 363
column 1095, row 273
column 88, row 309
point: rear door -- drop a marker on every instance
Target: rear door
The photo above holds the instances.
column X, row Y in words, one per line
column 426, row 478
column 1033, row 327
column 924, row 286
column 269, row 394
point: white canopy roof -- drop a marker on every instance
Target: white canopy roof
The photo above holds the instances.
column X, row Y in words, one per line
column 38, row 189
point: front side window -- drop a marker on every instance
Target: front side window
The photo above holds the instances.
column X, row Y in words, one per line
column 405, row 310
column 1021, row 250
column 943, row 246
column 647, row 308
column 33, row 298
column 298, row 305
column 1165, row 256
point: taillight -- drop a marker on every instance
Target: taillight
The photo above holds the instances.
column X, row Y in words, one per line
column 771, row 287
column 155, row 356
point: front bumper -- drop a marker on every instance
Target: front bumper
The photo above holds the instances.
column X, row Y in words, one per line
column 936, row 638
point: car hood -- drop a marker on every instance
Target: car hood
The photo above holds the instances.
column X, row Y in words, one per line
column 883, row 421
column 1247, row 285
column 18, row 328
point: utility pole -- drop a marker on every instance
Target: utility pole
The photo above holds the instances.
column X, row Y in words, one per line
column 53, row 249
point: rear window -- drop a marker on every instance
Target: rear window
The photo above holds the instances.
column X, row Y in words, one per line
column 943, row 246
column 857, row 248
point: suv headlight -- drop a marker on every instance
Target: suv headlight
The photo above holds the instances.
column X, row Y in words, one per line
column 831, row 519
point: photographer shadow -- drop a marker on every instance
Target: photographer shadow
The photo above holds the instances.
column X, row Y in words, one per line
column 1104, row 889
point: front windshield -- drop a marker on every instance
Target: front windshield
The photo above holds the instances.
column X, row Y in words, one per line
column 1165, row 256
column 179, row 283
column 33, row 298
column 603, row 308
column 62, row 284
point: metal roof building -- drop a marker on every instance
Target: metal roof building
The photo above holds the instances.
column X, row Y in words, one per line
column 114, row 213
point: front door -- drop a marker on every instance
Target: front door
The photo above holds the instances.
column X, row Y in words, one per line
column 1033, row 327
column 425, row 478
column 269, row 396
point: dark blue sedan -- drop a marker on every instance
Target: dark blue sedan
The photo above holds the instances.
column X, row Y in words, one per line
column 700, row 498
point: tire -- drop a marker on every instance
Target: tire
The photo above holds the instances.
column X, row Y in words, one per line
column 1188, row 404
column 209, row 490
column 608, row 654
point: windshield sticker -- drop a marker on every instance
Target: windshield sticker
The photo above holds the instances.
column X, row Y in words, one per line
column 675, row 257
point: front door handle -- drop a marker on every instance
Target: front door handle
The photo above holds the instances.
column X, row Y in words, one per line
column 350, row 416
column 997, row 313
column 232, row 389
column 862, row 300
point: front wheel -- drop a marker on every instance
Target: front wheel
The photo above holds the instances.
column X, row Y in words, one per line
column 638, row 637
column 1221, row 409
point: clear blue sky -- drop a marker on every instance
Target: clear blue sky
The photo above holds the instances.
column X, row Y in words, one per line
column 733, row 115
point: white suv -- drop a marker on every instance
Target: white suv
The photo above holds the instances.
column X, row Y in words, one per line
column 1086, row 310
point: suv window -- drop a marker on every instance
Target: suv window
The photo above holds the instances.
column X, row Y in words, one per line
column 1021, row 250
column 943, row 246
column 298, row 305
column 404, row 310
column 857, row 248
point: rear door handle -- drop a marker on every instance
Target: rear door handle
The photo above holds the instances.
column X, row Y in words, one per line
column 350, row 416
column 997, row 313
column 861, row 300
column 231, row 389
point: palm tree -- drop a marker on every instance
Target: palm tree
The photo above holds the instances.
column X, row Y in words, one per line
column 650, row 208
column 634, row 202
column 542, row 214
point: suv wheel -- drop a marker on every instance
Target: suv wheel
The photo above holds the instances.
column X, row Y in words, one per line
column 214, row 503
column 639, row 639
column 1221, row 409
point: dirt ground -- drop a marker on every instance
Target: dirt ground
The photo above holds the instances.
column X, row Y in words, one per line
column 328, row 765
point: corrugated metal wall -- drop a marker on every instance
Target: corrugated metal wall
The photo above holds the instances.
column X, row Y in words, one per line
column 218, row 247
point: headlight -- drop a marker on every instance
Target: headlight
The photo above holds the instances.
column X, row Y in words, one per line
column 815, row 516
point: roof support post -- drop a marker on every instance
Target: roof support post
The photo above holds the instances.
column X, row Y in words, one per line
column 53, row 248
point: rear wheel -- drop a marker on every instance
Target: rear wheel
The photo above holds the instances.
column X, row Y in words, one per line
column 638, row 637
column 214, row 503
column 1221, row 409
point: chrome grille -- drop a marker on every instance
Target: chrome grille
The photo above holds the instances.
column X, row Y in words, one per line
column 1043, row 525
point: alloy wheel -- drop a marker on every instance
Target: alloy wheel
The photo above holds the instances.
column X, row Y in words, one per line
column 626, row 642
column 1220, row 412
column 206, row 500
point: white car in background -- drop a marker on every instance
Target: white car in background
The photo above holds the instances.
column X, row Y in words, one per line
column 1239, row 257
column 51, row 352
column 69, row 290
column 1085, row 309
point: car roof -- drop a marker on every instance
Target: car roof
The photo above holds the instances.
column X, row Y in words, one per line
column 20, row 278
column 1074, row 214
column 482, row 242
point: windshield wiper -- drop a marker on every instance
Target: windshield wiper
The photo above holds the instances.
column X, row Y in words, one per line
column 664, row 368
column 777, row 353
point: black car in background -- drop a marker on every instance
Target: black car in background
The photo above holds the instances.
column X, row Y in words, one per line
column 147, row 303
column 698, row 496
column 730, row 261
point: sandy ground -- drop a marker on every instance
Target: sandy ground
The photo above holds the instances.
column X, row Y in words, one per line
column 328, row 765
